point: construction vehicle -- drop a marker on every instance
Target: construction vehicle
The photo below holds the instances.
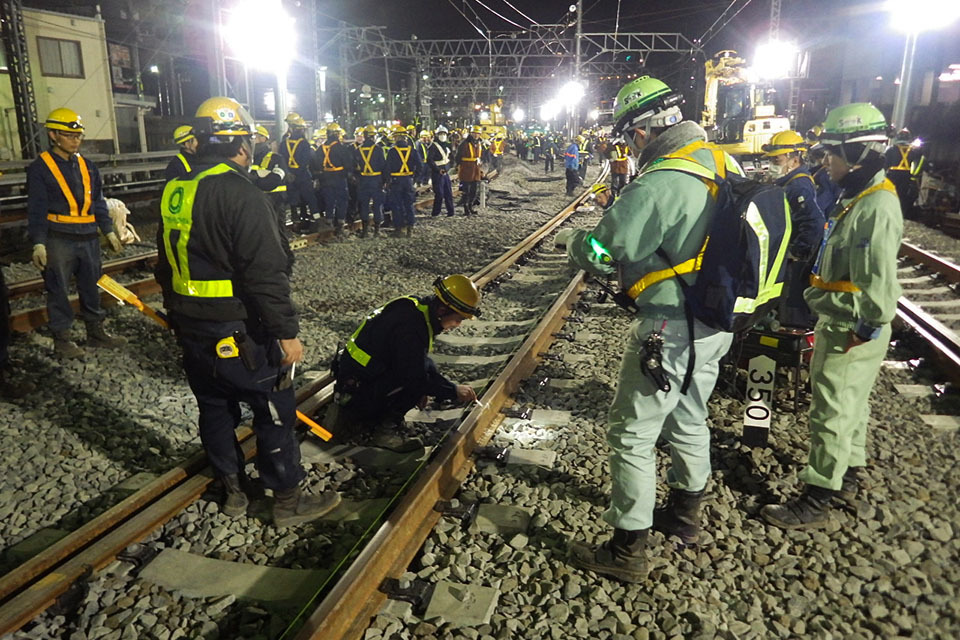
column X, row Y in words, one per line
column 738, row 114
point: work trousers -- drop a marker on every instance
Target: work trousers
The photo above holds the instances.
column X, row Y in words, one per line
column 841, row 384
column 617, row 182
column 442, row 193
column 280, row 211
column 72, row 255
column 336, row 196
column 641, row 413
column 573, row 180
column 221, row 384
column 370, row 197
column 301, row 193
column 548, row 163
column 582, row 170
column 497, row 162
column 470, row 190
column 402, row 195
column 4, row 322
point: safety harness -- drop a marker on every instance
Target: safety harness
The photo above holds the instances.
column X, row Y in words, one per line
column 366, row 156
column 404, row 158
column 328, row 166
column 78, row 214
column 291, row 150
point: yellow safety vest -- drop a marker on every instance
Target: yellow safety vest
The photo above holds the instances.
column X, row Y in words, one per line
column 183, row 160
column 265, row 164
column 621, row 151
column 496, row 148
column 905, row 164
column 404, row 167
column 78, row 214
column 362, row 357
column 327, row 165
column 367, row 168
column 842, row 285
column 176, row 210
column 474, row 153
column 292, row 149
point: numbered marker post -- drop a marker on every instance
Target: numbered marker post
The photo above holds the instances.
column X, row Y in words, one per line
column 756, row 417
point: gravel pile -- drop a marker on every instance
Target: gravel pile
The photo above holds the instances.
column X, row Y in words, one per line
column 931, row 240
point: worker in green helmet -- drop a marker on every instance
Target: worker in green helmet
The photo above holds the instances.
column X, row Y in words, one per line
column 854, row 291
column 670, row 211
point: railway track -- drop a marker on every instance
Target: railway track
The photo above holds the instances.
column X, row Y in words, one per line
column 34, row 586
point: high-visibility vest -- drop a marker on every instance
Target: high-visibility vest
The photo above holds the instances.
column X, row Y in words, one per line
column 291, row 150
column 474, row 153
column 905, row 164
column 183, row 160
column 363, row 358
column 265, row 164
column 621, row 151
column 176, row 210
column 79, row 214
column 367, row 168
column 327, row 164
column 404, row 167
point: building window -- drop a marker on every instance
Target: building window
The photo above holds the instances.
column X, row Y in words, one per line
column 60, row 58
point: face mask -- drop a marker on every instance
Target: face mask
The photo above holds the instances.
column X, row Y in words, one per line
column 775, row 170
column 442, row 137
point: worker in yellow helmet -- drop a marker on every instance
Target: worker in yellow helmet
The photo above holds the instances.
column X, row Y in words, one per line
column 422, row 146
column 269, row 173
column 468, row 162
column 301, row 196
column 65, row 208
column 333, row 162
column 385, row 368
column 403, row 163
column 182, row 164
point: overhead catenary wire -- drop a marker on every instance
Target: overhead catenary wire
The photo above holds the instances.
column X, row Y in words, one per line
column 532, row 21
column 499, row 15
column 710, row 33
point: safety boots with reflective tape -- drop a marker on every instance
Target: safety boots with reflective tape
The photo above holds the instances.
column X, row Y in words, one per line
column 98, row 338
column 680, row 516
column 623, row 556
column 292, row 507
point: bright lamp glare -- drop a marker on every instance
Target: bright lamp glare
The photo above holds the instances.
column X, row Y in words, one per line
column 593, row 114
column 572, row 92
column 914, row 16
column 261, row 34
column 518, row 115
column 550, row 110
column 484, row 115
column 775, row 60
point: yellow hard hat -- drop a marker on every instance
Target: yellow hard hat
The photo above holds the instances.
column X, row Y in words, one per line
column 476, row 129
column 294, row 119
column 599, row 188
column 369, row 130
column 783, row 143
column 398, row 131
column 223, row 117
column 411, row 128
column 263, row 131
column 580, row 140
column 183, row 133
column 459, row 293
column 424, row 133
column 64, row 119
column 333, row 127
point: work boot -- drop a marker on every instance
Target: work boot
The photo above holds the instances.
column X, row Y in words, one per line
column 810, row 510
column 398, row 231
column 621, row 557
column 851, row 485
column 376, row 229
column 292, row 507
column 64, row 347
column 235, row 500
column 680, row 516
column 100, row 339
column 409, row 230
column 365, row 225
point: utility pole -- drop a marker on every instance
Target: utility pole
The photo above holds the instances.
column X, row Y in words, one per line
column 576, row 67
column 21, row 79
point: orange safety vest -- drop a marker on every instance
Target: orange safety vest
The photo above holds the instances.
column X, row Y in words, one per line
column 621, row 151
column 327, row 165
column 77, row 214
column 404, row 167
column 291, row 150
column 474, row 154
column 367, row 169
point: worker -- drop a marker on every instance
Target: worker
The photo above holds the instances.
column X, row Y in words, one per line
column 550, row 153
column 497, row 147
column 854, row 291
column 827, row 190
column 905, row 161
column 403, row 162
column 785, row 153
column 300, row 193
column 269, row 175
column 619, row 155
column 333, row 162
column 422, row 146
column 665, row 211
column 370, row 181
column 438, row 161
column 586, row 152
column 468, row 169
column 182, row 163
column 385, row 368
column 571, row 164
column 536, row 146
column 221, row 270
column 65, row 207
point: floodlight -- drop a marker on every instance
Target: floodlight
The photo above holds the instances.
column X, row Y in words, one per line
column 572, row 92
column 518, row 115
column 775, row 59
column 914, row 16
column 261, row 34
column 593, row 114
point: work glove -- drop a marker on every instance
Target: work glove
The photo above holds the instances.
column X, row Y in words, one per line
column 280, row 172
column 40, row 256
column 115, row 245
column 262, row 173
column 562, row 238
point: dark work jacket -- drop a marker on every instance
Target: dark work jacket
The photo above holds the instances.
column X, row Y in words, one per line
column 45, row 196
column 394, row 163
column 341, row 155
column 436, row 154
column 827, row 190
column 234, row 236
column 378, row 159
column 175, row 168
column 805, row 215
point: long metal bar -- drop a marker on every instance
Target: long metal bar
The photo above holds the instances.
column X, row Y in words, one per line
column 944, row 268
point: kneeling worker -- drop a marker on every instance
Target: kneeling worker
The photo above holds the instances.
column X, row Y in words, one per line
column 229, row 301
column 385, row 369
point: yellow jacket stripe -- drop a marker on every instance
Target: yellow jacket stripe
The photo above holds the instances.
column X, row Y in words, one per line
column 77, row 214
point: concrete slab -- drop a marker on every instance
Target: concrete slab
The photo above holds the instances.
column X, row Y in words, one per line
column 574, row 358
column 462, row 605
column 357, row 510
column 544, row 458
column 198, row 577
column 501, row 519
column 479, row 341
column 429, row 416
column 136, row 482
column 550, row 417
column 914, row 280
column 564, row 383
column 930, row 291
column 586, row 336
column 948, row 317
column 503, row 323
column 318, row 452
column 441, row 358
column 941, row 422
column 896, row 364
column 524, row 276
column 32, row 545
column 940, row 304
column 914, row 390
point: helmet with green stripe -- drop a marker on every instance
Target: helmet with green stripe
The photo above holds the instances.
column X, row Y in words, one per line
column 646, row 102
column 854, row 130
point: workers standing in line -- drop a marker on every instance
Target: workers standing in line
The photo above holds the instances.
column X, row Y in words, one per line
column 370, row 181
column 422, row 146
column 65, row 207
column 333, row 161
column 438, row 161
column 550, row 153
column 662, row 212
column 571, row 164
column 300, row 194
column 228, row 299
column 385, row 369
column 497, row 147
column 403, row 162
column 904, row 160
column 468, row 169
column 854, row 291
column 785, row 154
column 619, row 155
column 182, row 163
column 269, row 175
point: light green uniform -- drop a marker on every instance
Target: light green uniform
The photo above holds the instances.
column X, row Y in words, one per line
column 672, row 210
column 861, row 249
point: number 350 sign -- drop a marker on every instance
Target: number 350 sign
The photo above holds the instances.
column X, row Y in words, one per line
column 756, row 415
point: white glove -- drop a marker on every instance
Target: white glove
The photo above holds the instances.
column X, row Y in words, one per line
column 115, row 245
column 262, row 173
column 40, row 256
column 562, row 238
column 280, row 172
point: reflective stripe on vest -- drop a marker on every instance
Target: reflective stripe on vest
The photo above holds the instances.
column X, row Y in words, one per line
column 176, row 210
column 362, row 357
column 265, row 164
column 404, row 167
column 367, row 167
column 621, row 151
column 183, row 161
column 496, row 148
column 845, row 286
column 77, row 215
column 327, row 165
column 473, row 154
column 291, row 150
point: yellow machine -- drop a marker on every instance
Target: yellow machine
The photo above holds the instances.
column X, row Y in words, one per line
column 737, row 113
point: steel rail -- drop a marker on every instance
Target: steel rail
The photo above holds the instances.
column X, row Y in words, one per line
column 946, row 269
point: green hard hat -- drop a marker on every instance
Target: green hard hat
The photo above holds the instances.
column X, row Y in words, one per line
column 640, row 96
column 856, row 122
